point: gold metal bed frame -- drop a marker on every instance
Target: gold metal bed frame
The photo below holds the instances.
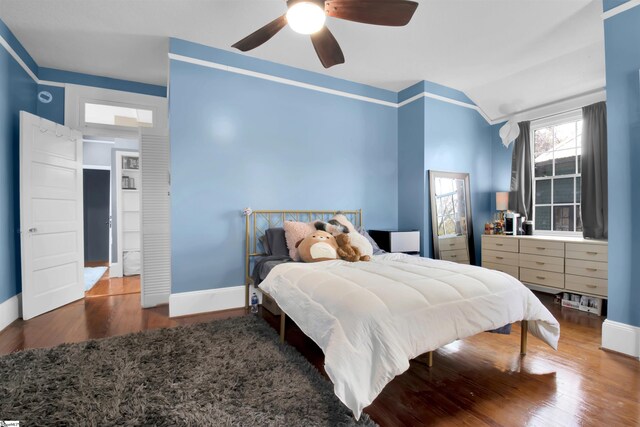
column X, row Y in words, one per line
column 257, row 223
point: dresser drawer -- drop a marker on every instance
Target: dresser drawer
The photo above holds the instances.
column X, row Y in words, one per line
column 542, row 247
column 587, row 285
column 587, row 251
column 452, row 243
column 541, row 262
column 593, row 269
column 509, row 269
column 497, row 257
column 458, row 255
column 545, row 278
column 505, row 244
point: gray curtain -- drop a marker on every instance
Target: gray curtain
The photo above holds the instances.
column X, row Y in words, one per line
column 594, row 172
column 521, row 194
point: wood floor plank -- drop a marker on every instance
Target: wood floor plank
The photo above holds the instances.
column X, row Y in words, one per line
column 478, row 381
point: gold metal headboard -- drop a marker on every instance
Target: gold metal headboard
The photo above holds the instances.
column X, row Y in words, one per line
column 260, row 221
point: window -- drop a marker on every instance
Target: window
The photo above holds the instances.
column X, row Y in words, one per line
column 104, row 114
column 556, row 153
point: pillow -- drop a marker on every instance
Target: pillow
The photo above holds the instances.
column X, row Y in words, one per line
column 357, row 240
column 374, row 245
column 295, row 231
column 276, row 241
column 344, row 221
column 264, row 241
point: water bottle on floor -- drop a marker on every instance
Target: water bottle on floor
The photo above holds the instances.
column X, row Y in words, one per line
column 254, row 303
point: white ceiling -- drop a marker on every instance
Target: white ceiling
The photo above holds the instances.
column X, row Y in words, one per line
column 506, row 55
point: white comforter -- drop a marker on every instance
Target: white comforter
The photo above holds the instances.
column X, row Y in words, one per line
column 371, row 318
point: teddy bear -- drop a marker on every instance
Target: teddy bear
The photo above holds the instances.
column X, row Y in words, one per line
column 339, row 224
column 348, row 252
column 318, row 246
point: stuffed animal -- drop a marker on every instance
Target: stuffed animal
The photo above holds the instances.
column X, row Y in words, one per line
column 318, row 246
column 339, row 224
column 348, row 252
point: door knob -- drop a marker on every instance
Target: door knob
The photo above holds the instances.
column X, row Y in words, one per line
column 33, row 230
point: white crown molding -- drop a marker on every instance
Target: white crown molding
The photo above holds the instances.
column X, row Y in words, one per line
column 619, row 9
column 282, row 80
column 187, row 303
column 10, row 310
column 24, row 66
column 218, row 66
column 621, row 338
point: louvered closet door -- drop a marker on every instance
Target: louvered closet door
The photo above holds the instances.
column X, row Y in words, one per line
column 155, row 219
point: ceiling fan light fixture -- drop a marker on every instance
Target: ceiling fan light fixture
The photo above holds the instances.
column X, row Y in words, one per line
column 306, row 17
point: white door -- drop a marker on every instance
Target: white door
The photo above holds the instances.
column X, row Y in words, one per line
column 51, row 220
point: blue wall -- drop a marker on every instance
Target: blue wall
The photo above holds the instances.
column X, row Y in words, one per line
column 239, row 141
column 437, row 135
column 622, row 52
column 17, row 92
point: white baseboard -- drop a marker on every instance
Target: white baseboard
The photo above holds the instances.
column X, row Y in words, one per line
column 621, row 337
column 10, row 310
column 115, row 269
column 186, row 303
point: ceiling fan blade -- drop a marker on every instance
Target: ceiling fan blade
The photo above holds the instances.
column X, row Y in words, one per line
column 327, row 48
column 257, row 38
column 394, row 13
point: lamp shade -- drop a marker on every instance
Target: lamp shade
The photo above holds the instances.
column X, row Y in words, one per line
column 502, row 200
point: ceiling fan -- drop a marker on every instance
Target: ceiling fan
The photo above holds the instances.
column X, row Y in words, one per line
column 308, row 17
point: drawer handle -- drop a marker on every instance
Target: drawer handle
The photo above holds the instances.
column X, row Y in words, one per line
column 592, row 269
column 453, row 256
column 499, row 257
column 540, row 248
column 540, row 277
column 592, row 253
column 499, row 244
column 592, row 286
column 452, row 244
column 539, row 263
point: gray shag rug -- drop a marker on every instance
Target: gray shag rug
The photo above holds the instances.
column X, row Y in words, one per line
column 230, row 372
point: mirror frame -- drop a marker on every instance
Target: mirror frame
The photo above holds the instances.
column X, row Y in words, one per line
column 434, row 215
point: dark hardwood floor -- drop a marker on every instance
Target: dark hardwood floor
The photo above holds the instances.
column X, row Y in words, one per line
column 478, row 381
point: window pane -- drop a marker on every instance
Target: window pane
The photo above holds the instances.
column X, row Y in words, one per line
column 579, row 134
column 543, row 151
column 578, row 189
column 544, row 169
column 565, row 162
column 117, row 116
column 564, row 136
column 578, row 218
column 563, row 190
column 543, row 217
column 543, row 191
column 563, row 218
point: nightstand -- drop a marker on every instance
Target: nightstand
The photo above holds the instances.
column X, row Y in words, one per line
column 407, row 242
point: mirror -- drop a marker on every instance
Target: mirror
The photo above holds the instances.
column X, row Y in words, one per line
column 452, row 226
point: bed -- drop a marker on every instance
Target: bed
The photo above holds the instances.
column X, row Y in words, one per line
column 371, row 318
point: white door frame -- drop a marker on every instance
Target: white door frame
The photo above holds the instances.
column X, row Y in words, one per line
column 75, row 98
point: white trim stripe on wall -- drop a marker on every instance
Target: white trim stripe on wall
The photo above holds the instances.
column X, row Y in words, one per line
column 619, row 9
column 19, row 60
column 317, row 88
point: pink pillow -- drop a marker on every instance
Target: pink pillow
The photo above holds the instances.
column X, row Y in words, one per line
column 294, row 232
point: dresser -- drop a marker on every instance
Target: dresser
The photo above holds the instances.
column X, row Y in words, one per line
column 550, row 263
column 454, row 248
